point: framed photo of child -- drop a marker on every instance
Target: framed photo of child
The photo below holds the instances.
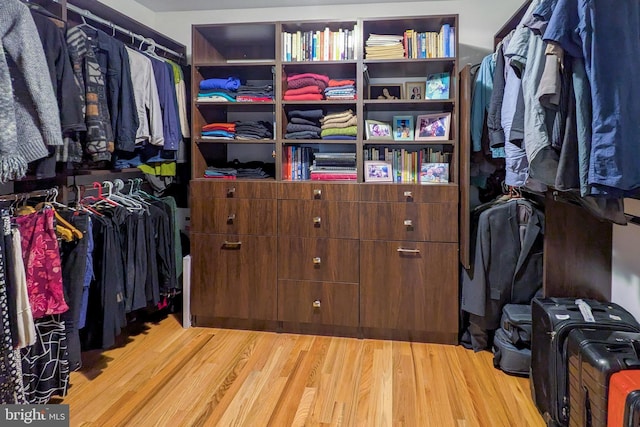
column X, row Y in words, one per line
column 433, row 127
column 403, row 128
column 414, row 90
column 376, row 171
column 378, row 130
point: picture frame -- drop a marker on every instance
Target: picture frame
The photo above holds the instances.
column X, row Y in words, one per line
column 403, row 128
column 377, row 171
column 434, row 173
column 433, row 127
column 437, row 86
column 377, row 130
column 385, row 91
column 414, row 90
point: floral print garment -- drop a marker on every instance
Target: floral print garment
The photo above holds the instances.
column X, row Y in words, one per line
column 42, row 263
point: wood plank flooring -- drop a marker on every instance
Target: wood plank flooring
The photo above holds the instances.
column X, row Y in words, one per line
column 168, row 376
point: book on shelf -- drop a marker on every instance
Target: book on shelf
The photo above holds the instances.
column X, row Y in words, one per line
column 319, row 45
column 429, row 44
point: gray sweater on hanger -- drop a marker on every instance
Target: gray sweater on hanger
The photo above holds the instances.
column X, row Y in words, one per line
column 28, row 104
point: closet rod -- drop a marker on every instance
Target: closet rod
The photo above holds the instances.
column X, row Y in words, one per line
column 95, row 18
column 20, row 196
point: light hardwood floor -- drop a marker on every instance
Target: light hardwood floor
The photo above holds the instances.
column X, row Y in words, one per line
column 168, row 376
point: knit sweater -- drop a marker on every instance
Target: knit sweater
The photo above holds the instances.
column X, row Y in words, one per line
column 37, row 116
column 12, row 163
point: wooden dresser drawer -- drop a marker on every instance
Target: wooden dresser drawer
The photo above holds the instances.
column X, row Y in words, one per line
column 233, row 276
column 318, row 191
column 318, row 302
column 414, row 288
column 313, row 218
column 331, row 260
column 233, row 189
column 436, row 222
column 237, row 216
column 408, row 193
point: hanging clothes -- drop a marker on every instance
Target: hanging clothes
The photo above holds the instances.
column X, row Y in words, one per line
column 507, row 265
column 11, row 383
column 98, row 140
column 31, row 119
column 114, row 64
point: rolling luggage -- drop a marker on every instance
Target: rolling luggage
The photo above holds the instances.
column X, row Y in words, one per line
column 624, row 399
column 593, row 356
column 552, row 320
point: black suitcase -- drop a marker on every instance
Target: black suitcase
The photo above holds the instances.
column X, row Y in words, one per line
column 593, row 356
column 552, row 320
column 508, row 357
column 516, row 323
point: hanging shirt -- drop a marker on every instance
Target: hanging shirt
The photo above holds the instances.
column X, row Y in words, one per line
column 114, row 62
column 606, row 35
column 147, row 100
column 168, row 103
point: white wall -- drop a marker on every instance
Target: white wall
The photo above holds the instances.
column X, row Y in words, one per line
column 134, row 10
column 625, row 265
column 479, row 20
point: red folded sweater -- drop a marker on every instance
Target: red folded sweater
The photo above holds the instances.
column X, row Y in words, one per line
column 303, row 90
column 312, row 75
column 333, row 83
column 230, row 127
column 304, row 97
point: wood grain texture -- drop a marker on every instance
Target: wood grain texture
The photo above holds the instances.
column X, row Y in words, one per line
column 314, row 218
column 577, row 253
column 337, row 303
column 233, row 216
column 409, row 193
column 333, row 260
column 223, row 284
column 169, row 376
column 464, row 151
column 411, row 291
column 233, row 190
column 318, row 191
column 436, row 222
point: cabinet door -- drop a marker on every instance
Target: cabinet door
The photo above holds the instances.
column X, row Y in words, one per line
column 233, row 276
column 409, row 286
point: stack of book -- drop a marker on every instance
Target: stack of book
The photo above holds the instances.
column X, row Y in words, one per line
column 334, row 167
column 384, row 46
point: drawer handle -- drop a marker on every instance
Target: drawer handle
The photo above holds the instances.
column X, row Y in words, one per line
column 231, row 191
column 230, row 218
column 316, row 221
column 231, row 245
column 317, row 193
column 408, row 194
column 316, row 303
column 408, row 223
column 408, row 251
column 317, row 260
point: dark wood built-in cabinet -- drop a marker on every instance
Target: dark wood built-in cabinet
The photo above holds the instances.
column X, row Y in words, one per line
column 353, row 257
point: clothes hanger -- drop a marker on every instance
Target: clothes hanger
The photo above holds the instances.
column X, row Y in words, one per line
column 129, row 204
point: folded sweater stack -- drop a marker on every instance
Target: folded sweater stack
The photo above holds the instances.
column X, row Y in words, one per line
column 254, row 130
column 341, row 125
column 306, row 87
column 219, row 90
column 304, row 124
column 254, row 93
column 219, row 131
column 340, row 89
